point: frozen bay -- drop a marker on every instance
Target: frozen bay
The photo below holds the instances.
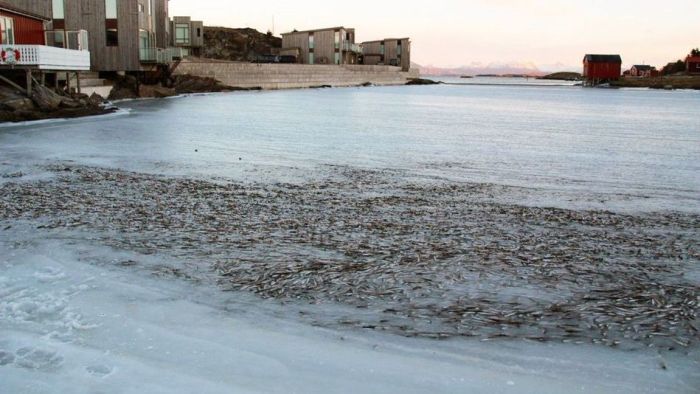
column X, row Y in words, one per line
column 120, row 233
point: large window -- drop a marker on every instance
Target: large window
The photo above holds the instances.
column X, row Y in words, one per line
column 311, row 58
column 311, row 41
column 111, row 24
column 182, row 33
column 337, row 40
column 59, row 9
column 7, row 30
column 150, row 7
column 111, row 9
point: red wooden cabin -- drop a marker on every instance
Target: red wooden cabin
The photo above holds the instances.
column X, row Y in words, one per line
column 600, row 68
column 19, row 27
column 692, row 64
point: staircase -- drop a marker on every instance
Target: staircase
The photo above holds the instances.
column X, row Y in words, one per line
column 90, row 82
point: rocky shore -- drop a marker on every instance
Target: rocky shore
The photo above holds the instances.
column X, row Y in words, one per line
column 431, row 259
column 46, row 103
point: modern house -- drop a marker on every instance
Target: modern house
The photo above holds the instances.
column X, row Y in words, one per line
column 24, row 38
column 692, row 64
column 390, row 52
column 601, row 68
column 335, row 45
column 123, row 35
column 187, row 34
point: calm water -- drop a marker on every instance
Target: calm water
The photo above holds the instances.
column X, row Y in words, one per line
column 567, row 146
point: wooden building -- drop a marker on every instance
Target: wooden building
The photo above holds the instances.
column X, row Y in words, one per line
column 643, row 71
column 601, row 68
column 390, row 52
column 334, row 45
column 187, row 34
column 692, row 64
column 124, row 35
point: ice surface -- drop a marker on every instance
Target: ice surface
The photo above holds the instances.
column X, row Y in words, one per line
column 77, row 317
column 89, row 327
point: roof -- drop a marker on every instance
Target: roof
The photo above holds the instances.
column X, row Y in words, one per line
column 642, row 67
column 16, row 10
column 694, row 59
column 315, row 30
column 603, row 59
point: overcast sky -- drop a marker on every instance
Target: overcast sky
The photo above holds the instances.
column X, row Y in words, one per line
column 546, row 33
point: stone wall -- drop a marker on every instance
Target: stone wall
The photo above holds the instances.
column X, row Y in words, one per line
column 293, row 76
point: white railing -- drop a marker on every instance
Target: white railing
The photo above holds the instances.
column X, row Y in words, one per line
column 50, row 58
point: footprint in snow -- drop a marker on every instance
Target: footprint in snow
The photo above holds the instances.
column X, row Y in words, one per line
column 39, row 359
column 99, row 371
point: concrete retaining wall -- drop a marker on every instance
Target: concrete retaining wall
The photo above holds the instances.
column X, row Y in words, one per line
column 292, row 76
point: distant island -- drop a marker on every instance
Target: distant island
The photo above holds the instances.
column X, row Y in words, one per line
column 563, row 76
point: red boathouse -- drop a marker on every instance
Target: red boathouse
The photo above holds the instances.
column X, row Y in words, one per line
column 601, row 68
column 19, row 27
column 692, row 64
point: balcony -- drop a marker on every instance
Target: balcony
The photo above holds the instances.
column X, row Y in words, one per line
column 161, row 55
column 350, row 47
column 44, row 57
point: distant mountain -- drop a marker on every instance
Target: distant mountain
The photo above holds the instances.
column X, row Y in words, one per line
column 488, row 69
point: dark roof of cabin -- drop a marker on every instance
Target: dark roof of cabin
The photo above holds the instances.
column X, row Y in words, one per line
column 11, row 8
column 642, row 67
column 603, row 59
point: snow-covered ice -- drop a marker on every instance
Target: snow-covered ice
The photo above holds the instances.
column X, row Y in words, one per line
column 69, row 323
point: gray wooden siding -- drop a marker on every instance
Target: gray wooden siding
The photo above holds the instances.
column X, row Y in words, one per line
column 40, row 7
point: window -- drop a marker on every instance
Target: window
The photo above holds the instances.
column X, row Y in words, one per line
column 141, row 8
column 112, row 38
column 111, row 24
column 111, row 9
column 57, row 39
column 199, row 32
column 398, row 48
column 150, row 7
column 182, row 33
column 7, row 31
column 311, row 58
column 58, row 7
column 337, row 58
column 311, row 41
column 381, row 48
column 337, row 39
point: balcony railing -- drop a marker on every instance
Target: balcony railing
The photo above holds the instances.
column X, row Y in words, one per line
column 68, row 39
column 350, row 47
column 161, row 55
column 50, row 58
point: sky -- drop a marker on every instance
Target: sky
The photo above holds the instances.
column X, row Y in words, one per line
column 549, row 34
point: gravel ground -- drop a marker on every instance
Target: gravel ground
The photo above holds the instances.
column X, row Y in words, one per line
column 414, row 257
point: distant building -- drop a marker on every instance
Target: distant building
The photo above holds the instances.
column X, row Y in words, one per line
column 601, row 68
column 335, row 45
column 643, row 71
column 390, row 52
column 187, row 34
column 692, row 64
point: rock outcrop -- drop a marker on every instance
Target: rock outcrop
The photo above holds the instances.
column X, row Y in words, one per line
column 238, row 44
column 45, row 103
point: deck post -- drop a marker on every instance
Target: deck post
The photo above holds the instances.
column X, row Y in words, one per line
column 29, row 82
column 68, row 83
column 77, row 78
